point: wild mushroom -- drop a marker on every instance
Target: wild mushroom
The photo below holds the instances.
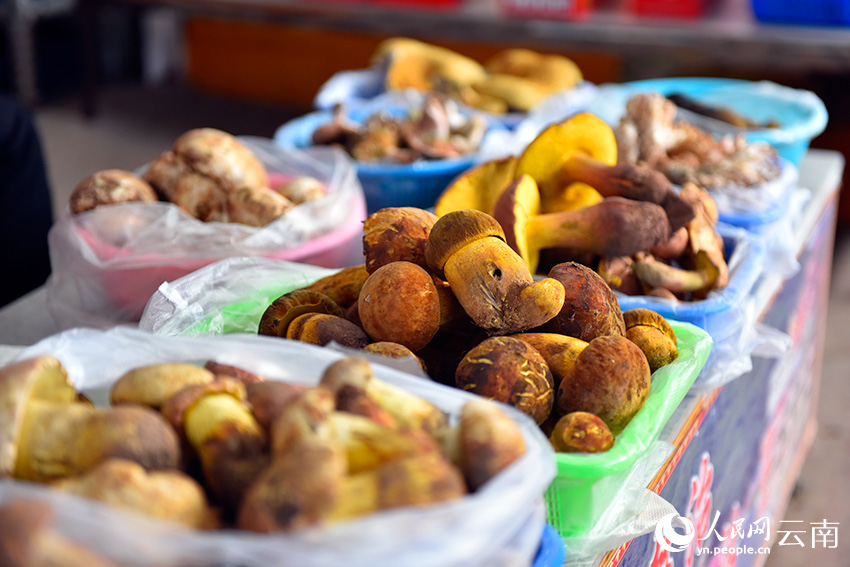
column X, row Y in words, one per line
column 408, row 410
column 109, row 187
column 278, row 316
column 45, row 434
column 704, row 265
column 558, row 351
column 226, row 437
column 590, row 307
column 610, row 379
column 168, row 495
column 478, row 187
column 339, row 130
column 399, row 303
column 487, row 440
column 237, row 373
column 395, row 234
column 653, row 334
column 256, row 205
column 344, row 286
column 393, row 350
column 152, row 384
column 301, row 189
column 510, row 371
column 581, row 432
column 321, row 329
column 490, row 281
column 613, row 227
column 267, row 399
column 416, row 480
column 584, row 149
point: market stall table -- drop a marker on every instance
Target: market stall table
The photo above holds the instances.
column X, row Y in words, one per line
column 737, row 450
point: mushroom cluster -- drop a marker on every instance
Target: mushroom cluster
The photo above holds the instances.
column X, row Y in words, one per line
column 649, row 133
column 567, row 199
column 454, row 295
column 437, row 130
column 219, row 446
column 207, row 173
column 512, row 80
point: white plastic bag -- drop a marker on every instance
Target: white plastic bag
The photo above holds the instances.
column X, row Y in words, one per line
column 108, row 262
column 499, row 525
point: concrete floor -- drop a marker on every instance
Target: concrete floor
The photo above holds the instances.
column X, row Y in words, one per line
column 135, row 124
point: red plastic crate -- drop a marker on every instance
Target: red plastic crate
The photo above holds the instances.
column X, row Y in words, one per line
column 547, row 9
column 669, row 8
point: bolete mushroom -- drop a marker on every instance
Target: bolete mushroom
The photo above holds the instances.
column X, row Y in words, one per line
column 590, row 307
column 396, row 234
column 610, row 379
column 343, row 287
column 490, row 281
column 278, row 316
column 583, row 149
column 653, row 334
column 559, row 351
column 511, row 371
column 152, row 384
column 408, row 410
column 613, row 227
column 168, row 495
column 399, row 303
column 581, row 432
column 488, row 442
column 228, row 440
column 45, row 434
column 109, row 187
column 321, row 329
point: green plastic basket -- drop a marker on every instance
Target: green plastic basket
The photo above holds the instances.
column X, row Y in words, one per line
column 586, row 484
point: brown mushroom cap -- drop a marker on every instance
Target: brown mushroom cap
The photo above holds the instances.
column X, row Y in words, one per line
column 510, row 371
column 256, row 205
column 109, row 187
column 581, row 432
column 279, row 315
column 153, row 384
column 454, row 231
column 321, row 329
column 394, row 234
column 40, row 378
column 610, row 379
column 399, row 303
column 653, row 334
column 590, row 307
column 267, row 399
column 344, row 286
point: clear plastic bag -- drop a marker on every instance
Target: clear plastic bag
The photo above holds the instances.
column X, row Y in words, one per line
column 107, row 262
column 499, row 525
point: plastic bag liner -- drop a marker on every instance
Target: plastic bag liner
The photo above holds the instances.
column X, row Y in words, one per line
column 635, row 510
column 588, row 484
column 729, row 315
column 357, row 87
column 499, row 525
column 107, row 262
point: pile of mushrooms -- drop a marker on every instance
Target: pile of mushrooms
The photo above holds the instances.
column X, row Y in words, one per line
column 221, row 447
column 512, row 80
column 207, row 173
column 438, row 130
column 650, row 134
column 567, row 199
column 452, row 294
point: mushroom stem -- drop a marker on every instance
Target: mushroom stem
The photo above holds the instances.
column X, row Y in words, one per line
column 658, row 274
column 490, row 264
column 613, row 227
column 630, row 181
